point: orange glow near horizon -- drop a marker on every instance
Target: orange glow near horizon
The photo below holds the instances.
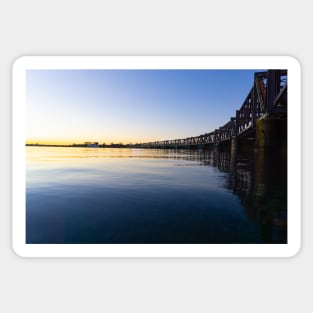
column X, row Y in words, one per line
column 70, row 141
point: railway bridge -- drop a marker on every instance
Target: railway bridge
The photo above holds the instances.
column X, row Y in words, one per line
column 262, row 118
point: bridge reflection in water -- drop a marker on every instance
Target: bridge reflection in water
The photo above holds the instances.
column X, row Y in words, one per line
column 257, row 177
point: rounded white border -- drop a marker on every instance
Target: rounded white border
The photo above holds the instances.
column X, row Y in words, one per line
column 156, row 250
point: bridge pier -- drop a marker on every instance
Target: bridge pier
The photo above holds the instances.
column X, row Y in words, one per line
column 233, row 148
column 271, row 132
column 233, row 153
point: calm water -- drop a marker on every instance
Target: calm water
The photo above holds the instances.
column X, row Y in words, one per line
column 96, row 195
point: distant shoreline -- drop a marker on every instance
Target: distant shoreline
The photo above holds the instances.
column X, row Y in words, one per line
column 81, row 145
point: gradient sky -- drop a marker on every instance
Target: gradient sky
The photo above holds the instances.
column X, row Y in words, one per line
column 74, row 106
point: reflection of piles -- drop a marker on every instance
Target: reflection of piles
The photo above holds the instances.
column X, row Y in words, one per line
column 223, row 162
column 220, row 160
column 243, row 186
column 243, row 179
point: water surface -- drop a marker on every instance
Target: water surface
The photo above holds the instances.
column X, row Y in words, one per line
column 119, row 195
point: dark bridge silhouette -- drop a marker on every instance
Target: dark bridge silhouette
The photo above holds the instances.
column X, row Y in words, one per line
column 267, row 101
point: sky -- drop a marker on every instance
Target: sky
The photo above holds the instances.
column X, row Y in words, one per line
column 130, row 106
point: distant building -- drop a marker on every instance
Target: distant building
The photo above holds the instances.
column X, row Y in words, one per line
column 91, row 144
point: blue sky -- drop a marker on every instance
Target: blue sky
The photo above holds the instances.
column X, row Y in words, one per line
column 73, row 106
